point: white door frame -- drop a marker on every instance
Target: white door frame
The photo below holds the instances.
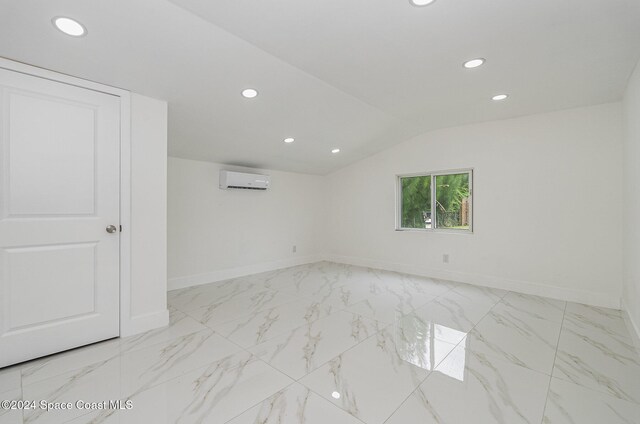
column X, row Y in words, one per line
column 126, row 325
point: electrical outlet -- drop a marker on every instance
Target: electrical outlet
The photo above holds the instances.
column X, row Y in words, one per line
column 294, row 249
column 445, row 258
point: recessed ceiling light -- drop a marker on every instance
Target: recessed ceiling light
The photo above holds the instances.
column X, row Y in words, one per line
column 69, row 26
column 249, row 93
column 474, row 63
column 289, row 140
column 421, row 2
column 498, row 97
column 335, row 151
column 335, row 395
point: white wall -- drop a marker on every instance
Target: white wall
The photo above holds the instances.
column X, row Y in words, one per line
column 147, row 307
column 217, row 234
column 547, row 207
column 631, row 296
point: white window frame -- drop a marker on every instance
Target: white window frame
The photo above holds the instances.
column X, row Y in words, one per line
column 434, row 223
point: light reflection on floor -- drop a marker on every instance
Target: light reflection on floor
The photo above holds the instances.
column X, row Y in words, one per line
column 425, row 344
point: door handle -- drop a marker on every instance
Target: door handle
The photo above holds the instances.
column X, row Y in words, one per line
column 111, row 229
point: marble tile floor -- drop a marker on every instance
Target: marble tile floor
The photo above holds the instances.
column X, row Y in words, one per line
column 330, row 343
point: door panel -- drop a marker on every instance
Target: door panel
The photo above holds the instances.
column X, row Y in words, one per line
column 51, row 156
column 59, row 182
column 33, row 294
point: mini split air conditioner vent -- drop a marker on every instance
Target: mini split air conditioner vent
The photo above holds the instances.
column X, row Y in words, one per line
column 243, row 181
column 247, row 188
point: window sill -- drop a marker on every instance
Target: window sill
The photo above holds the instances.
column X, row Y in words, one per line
column 434, row 231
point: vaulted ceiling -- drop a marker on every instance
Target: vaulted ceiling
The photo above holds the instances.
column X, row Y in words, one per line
column 358, row 75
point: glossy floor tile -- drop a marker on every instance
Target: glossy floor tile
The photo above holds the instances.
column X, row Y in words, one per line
column 455, row 311
column 148, row 367
column 607, row 322
column 535, row 306
column 312, row 281
column 265, row 325
column 10, row 378
column 389, row 305
column 213, row 294
column 11, row 416
column 247, row 304
column 332, row 343
column 371, row 379
column 92, row 383
column 468, row 387
column 181, row 325
column 598, row 358
column 212, row 394
column 510, row 334
column 304, row 349
column 571, row 403
column 295, row 405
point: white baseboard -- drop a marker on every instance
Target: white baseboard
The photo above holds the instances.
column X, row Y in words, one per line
column 526, row 287
column 141, row 323
column 228, row 273
column 632, row 325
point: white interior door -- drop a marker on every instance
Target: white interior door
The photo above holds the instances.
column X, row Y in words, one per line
column 59, row 182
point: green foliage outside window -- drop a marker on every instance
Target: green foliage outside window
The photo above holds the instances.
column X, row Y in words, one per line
column 416, row 202
column 452, row 207
column 452, row 191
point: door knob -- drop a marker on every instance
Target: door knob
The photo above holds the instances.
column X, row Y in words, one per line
column 111, row 229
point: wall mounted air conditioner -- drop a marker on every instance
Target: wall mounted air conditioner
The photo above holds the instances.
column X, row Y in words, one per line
column 231, row 179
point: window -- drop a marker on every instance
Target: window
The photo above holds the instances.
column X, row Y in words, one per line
column 435, row 201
